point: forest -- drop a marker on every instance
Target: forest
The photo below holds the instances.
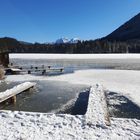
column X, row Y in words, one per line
column 91, row 46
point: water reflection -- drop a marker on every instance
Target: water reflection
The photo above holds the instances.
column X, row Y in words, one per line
column 121, row 107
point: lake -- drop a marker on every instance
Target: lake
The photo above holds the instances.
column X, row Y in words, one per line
column 54, row 96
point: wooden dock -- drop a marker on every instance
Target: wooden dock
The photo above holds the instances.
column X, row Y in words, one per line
column 45, row 71
column 11, row 93
column 33, row 69
column 13, row 71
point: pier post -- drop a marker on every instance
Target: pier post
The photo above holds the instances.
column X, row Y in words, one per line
column 29, row 72
column 61, row 70
column 14, row 99
column 43, row 72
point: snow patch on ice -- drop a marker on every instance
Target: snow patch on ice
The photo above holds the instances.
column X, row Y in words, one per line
column 75, row 56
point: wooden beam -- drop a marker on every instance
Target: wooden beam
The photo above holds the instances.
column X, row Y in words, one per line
column 10, row 93
column 14, row 99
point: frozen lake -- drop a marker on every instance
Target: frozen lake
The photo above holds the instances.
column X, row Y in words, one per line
column 78, row 64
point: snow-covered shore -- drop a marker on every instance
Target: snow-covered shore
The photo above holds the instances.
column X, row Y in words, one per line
column 39, row 126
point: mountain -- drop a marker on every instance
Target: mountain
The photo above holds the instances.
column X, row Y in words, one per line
column 74, row 40
column 62, row 40
column 128, row 31
column 9, row 42
column 66, row 40
column 25, row 43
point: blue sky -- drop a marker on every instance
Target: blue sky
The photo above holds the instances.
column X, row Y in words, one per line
column 48, row 20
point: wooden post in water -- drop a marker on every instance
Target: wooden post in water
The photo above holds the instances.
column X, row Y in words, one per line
column 29, row 71
column 14, row 99
column 61, row 70
column 43, row 72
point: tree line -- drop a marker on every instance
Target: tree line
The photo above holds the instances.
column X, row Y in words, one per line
column 91, row 46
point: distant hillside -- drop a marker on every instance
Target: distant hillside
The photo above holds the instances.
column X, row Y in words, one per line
column 8, row 43
column 91, row 46
column 128, row 31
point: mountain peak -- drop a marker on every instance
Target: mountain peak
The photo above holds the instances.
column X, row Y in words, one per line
column 64, row 40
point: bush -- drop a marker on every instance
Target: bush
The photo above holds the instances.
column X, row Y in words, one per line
column 2, row 73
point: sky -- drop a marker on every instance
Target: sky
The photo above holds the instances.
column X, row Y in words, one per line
column 47, row 20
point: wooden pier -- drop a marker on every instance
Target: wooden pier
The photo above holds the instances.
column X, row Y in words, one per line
column 11, row 93
column 44, row 71
column 33, row 69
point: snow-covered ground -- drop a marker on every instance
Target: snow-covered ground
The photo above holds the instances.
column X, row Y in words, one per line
column 34, row 126
column 75, row 56
column 39, row 126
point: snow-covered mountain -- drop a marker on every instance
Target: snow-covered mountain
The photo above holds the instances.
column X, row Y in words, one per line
column 74, row 40
column 62, row 40
column 66, row 40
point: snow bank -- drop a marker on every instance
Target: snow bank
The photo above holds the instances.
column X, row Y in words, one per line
column 97, row 107
column 33, row 126
column 75, row 56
